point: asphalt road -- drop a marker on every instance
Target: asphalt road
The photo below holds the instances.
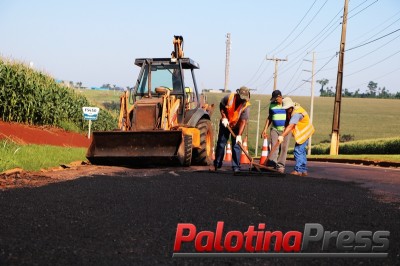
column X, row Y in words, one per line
column 384, row 182
column 131, row 218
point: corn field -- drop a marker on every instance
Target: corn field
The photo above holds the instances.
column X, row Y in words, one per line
column 32, row 97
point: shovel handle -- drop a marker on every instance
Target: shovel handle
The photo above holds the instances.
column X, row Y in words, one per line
column 257, row 166
column 273, row 149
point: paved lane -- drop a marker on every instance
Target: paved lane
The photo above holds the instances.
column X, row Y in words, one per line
column 385, row 182
column 130, row 218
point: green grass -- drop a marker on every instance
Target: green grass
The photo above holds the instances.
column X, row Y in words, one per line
column 99, row 97
column 367, row 157
column 372, row 146
column 363, row 118
column 366, row 119
column 36, row 157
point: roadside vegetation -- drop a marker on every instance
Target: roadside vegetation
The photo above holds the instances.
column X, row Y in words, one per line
column 361, row 118
column 375, row 146
column 32, row 97
column 361, row 157
column 368, row 125
column 36, row 157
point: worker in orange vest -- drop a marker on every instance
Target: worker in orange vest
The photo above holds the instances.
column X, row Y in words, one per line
column 302, row 129
column 235, row 112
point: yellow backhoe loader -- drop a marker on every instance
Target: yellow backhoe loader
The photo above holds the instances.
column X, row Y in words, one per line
column 168, row 122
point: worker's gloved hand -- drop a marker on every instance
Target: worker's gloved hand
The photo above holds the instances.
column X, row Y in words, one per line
column 238, row 139
column 280, row 139
column 225, row 122
column 264, row 135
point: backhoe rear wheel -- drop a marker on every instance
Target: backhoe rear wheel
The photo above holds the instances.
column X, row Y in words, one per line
column 202, row 155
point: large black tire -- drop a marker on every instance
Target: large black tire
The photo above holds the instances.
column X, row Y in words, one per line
column 185, row 151
column 202, row 155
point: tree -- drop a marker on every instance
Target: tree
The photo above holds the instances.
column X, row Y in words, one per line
column 347, row 93
column 329, row 92
column 323, row 82
column 357, row 93
column 372, row 88
column 383, row 93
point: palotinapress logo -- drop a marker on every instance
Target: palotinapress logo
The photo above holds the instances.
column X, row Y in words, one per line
column 259, row 242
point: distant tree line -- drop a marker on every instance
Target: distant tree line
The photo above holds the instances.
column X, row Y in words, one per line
column 373, row 91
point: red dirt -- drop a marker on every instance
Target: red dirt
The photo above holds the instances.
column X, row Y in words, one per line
column 44, row 135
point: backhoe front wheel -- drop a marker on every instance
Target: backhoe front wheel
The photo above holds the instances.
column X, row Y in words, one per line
column 203, row 155
column 185, row 151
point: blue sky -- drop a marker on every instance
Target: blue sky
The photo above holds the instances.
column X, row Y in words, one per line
column 96, row 42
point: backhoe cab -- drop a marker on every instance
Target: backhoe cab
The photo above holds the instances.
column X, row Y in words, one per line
column 168, row 123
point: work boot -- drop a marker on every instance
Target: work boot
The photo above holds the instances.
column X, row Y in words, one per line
column 296, row 173
column 281, row 170
column 213, row 168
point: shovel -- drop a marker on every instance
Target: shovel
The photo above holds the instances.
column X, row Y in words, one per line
column 252, row 163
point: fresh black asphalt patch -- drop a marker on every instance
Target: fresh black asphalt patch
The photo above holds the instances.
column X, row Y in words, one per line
column 131, row 219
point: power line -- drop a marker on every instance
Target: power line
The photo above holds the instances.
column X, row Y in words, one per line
column 321, row 41
column 357, row 6
column 372, row 40
column 376, row 27
column 377, row 49
column 374, row 64
column 298, row 24
column 337, row 14
column 262, row 62
column 377, row 78
column 314, row 74
column 312, row 19
column 362, row 10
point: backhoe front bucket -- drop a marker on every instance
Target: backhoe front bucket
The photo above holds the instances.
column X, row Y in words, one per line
column 139, row 148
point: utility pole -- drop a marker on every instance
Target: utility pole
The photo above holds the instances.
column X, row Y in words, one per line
column 228, row 53
column 258, row 125
column 339, row 81
column 312, row 96
column 276, row 68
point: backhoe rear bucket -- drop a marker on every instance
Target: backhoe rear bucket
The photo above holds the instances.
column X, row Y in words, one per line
column 139, row 148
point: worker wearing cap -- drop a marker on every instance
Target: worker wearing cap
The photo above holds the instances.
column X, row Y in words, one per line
column 277, row 120
column 235, row 112
column 302, row 129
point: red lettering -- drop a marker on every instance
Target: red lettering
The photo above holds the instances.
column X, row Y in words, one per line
column 260, row 237
column 180, row 237
column 228, row 241
column 249, row 234
column 209, row 239
column 278, row 240
column 218, row 237
column 297, row 237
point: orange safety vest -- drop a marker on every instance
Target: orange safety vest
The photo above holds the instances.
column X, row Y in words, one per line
column 304, row 129
column 233, row 112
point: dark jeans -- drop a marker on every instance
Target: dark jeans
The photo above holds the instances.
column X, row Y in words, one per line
column 223, row 137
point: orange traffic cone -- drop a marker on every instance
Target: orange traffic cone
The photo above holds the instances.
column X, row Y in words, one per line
column 264, row 152
column 228, row 153
column 243, row 157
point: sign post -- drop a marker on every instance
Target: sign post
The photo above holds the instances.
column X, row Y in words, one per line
column 90, row 113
